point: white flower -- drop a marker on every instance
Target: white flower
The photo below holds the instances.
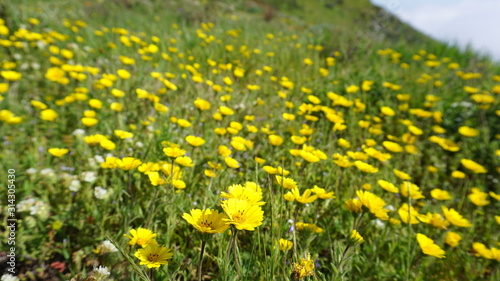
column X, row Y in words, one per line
column 47, row 172
column 89, row 176
column 101, row 193
column 108, row 247
column 99, row 159
column 31, row 171
column 78, row 132
column 9, row 277
column 139, row 144
column 101, row 272
column 75, row 185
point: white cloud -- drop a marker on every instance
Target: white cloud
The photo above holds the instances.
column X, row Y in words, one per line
column 463, row 22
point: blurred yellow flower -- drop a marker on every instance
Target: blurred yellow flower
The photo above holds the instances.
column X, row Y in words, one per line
column 58, row 152
column 428, row 247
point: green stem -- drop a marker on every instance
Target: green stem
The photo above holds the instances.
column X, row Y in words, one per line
column 200, row 263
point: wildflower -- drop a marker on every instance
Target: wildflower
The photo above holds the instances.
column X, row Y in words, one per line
column 355, row 238
column 202, row 104
column 452, row 238
column 242, row 214
column 238, row 191
column 305, row 198
column 128, row 163
column 473, row 166
column 365, row 167
column 387, row 111
column 100, row 273
column 468, row 131
column 207, row 221
column 303, row 268
column 123, row 134
column 411, row 189
column 195, row 141
column 287, row 183
column 231, row 162
column 428, row 247
column 402, row 175
column 101, row 193
column 285, row 245
column 374, row 204
column 275, row 140
column 154, row 255
column 173, row 152
column 408, row 214
column 58, row 152
column 392, row 146
column 321, row 193
column 48, row 115
column 440, row 194
column 141, row 237
column 388, row 186
column 455, row 218
column 478, row 197
column 458, row 174
column 89, row 121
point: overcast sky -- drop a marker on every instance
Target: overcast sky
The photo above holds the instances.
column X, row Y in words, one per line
column 462, row 21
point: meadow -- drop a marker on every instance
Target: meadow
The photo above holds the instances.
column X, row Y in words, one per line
column 225, row 140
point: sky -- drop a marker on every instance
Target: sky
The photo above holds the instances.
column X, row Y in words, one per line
column 458, row 21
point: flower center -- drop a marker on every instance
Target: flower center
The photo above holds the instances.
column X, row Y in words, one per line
column 206, row 223
column 153, row 257
column 239, row 217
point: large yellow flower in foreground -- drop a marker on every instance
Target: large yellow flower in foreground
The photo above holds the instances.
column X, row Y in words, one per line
column 141, row 236
column 242, row 214
column 207, row 221
column 428, row 247
column 154, row 255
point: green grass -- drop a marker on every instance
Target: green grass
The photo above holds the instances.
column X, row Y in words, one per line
column 67, row 224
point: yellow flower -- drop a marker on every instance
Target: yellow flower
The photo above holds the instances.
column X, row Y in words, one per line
column 458, row 174
column 238, row 191
column 473, row 166
column 231, row 162
column 154, row 255
column 58, row 152
column 455, row 218
column 11, row 75
column 468, row 131
column 392, row 146
column 141, row 236
column 195, row 141
column 185, row 161
column 124, row 74
column 107, row 144
column 275, row 140
column 48, row 115
column 38, row 104
column 478, row 197
column 287, row 183
column 410, row 188
column 285, row 245
column 354, row 205
column 408, row 214
column 309, row 227
column 184, row 123
column 242, row 214
column 173, row 152
column 309, row 156
column 428, row 247
column 402, row 175
column 128, row 163
column 453, row 238
column 374, row 204
column 207, row 221
column 344, row 143
column 365, row 167
column 89, row 121
column 303, row 268
column 388, row 186
column 322, row 194
column 387, row 111
column 123, row 134
column 202, row 104
column 224, row 110
column 355, row 238
column 305, row 198
column 440, row 194
column 155, row 179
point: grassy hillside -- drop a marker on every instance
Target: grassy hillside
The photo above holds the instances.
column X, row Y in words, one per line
column 243, row 140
